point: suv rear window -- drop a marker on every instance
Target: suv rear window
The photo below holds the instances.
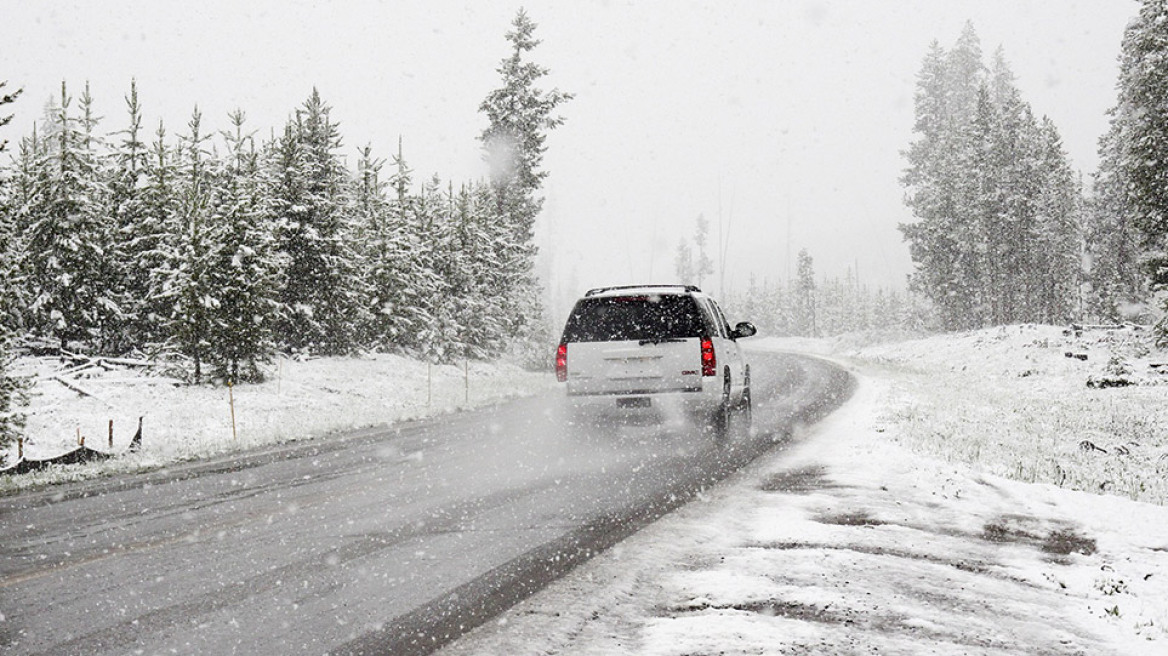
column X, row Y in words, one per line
column 621, row 318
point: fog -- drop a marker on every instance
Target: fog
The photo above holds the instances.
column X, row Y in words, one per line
column 780, row 122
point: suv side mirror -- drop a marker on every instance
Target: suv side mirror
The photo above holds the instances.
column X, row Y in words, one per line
column 743, row 329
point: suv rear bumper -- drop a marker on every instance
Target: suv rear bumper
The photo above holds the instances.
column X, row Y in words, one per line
column 634, row 403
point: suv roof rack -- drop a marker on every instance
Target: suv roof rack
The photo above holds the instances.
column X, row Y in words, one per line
column 601, row 290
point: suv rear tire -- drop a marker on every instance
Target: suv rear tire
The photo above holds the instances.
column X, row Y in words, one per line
column 720, row 417
column 747, row 403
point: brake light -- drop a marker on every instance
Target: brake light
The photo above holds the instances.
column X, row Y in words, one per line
column 562, row 363
column 709, row 361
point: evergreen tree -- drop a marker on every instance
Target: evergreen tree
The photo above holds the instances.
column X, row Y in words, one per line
column 376, row 241
column 400, row 268
column 804, row 297
column 1132, row 186
column 68, row 235
column 323, row 306
column 1056, row 265
column 13, row 389
column 937, row 195
column 703, row 266
column 245, row 275
column 683, row 264
column 519, row 115
column 439, row 340
column 136, row 233
column 152, row 247
column 1112, row 239
column 6, row 99
column 109, row 313
column 478, row 244
column 997, row 208
column 193, row 251
column 24, row 192
column 14, row 396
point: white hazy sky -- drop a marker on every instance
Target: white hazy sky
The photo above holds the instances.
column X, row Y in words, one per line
column 771, row 118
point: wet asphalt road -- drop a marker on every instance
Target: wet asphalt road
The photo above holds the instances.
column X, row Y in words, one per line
column 383, row 541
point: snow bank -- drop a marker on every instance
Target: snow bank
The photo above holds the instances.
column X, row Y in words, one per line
column 301, row 399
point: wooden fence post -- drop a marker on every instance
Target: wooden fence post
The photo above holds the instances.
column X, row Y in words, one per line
column 231, row 401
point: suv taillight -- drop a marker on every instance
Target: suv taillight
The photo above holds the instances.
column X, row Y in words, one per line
column 709, row 361
column 562, row 363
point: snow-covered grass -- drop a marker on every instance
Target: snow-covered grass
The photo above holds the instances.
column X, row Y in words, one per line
column 1029, row 403
column 883, row 530
column 301, row 399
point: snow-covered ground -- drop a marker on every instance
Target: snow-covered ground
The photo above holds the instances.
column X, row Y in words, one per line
column 301, row 399
column 976, row 496
column 882, row 530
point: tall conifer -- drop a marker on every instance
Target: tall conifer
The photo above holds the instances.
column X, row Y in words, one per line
column 519, row 116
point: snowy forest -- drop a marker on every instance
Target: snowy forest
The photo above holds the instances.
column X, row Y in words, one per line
column 1005, row 230
column 214, row 249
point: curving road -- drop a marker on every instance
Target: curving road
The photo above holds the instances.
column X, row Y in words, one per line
column 384, row 541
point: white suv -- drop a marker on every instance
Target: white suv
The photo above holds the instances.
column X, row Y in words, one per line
column 654, row 349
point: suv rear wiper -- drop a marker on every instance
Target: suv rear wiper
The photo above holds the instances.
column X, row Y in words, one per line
column 662, row 340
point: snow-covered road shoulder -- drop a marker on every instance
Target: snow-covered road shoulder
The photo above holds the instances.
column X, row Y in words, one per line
column 847, row 542
column 301, row 399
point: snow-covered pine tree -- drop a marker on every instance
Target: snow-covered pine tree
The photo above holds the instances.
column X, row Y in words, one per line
column 778, row 307
column 1010, row 185
column 402, row 278
column 683, row 263
column 1113, row 241
column 136, row 232
column 371, row 213
column 460, row 252
column 14, row 396
column 803, row 299
column 749, row 306
column 831, row 310
column 110, row 316
column 6, row 98
column 934, row 193
column 67, row 234
column 1056, row 264
column 192, row 251
column 703, row 266
column 979, row 181
column 245, row 276
column 441, row 339
column 153, row 247
column 519, row 115
column 24, row 191
column 323, row 307
column 1136, row 148
column 13, row 389
column 483, row 246
column 882, row 309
